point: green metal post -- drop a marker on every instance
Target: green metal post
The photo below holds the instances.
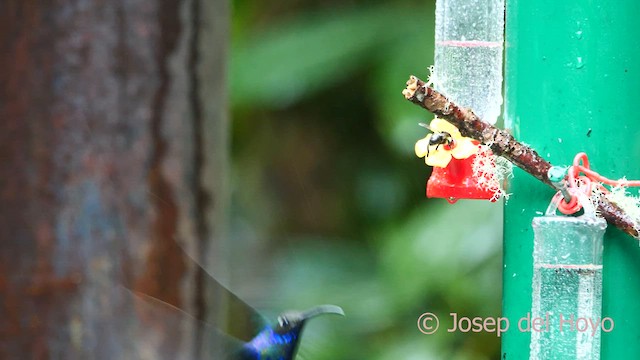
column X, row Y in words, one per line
column 572, row 84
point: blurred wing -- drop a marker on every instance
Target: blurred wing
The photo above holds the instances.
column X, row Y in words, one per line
column 236, row 317
column 164, row 331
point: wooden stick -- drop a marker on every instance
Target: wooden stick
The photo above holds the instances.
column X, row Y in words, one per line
column 504, row 144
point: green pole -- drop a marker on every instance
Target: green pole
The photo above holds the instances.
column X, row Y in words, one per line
column 572, row 84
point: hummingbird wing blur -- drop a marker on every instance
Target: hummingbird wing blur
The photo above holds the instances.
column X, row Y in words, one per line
column 225, row 321
column 238, row 319
column 165, row 332
column 225, row 327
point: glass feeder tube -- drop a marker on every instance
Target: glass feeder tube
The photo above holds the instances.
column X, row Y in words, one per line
column 468, row 54
column 567, row 285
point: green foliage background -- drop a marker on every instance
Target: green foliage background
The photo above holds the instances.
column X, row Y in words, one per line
column 328, row 197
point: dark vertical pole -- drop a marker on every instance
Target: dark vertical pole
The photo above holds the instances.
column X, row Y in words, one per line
column 112, row 149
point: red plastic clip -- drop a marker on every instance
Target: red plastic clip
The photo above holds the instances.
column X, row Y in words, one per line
column 456, row 181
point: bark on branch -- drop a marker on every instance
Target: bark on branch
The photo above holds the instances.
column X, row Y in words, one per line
column 504, row 144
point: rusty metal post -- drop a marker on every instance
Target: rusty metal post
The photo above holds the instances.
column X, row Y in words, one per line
column 112, row 146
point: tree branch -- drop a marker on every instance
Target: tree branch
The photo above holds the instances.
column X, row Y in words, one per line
column 504, row 144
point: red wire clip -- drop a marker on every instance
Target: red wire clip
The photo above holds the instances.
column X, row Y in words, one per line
column 584, row 184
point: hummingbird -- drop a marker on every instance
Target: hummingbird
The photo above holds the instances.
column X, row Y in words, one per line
column 248, row 335
column 280, row 341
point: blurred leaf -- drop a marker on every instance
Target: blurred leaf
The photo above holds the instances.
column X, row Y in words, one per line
column 343, row 156
column 322, row 270
column 439, row 247
column 293, row 60
column 379, row 193
column 398, row 118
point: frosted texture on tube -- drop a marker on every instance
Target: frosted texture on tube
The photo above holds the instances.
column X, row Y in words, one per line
column 567, row 287
column 468, row 54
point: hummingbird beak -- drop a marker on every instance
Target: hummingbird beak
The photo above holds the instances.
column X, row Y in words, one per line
column 322, row 309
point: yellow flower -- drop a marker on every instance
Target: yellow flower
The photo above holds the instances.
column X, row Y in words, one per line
column 440, row 154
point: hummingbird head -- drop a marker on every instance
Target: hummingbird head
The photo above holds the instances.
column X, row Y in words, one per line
column 281, row 341
column 291, row 321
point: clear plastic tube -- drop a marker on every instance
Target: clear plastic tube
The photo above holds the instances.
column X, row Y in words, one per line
column 468, row 54
column 567, row 286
